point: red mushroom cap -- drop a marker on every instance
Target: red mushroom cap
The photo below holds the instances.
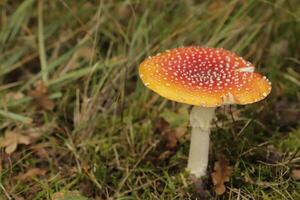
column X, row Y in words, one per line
column 204, row 76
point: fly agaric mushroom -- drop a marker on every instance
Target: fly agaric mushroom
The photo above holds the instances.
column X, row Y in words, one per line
column 205, row 78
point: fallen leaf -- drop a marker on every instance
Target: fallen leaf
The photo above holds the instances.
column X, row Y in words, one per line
column 40, row 96
column 171, row 139
column 11, row 140
column 161, row 125
column 296, row 174
column 180, row 132
column 171, row 135
column 31, row 173
column 221, row 174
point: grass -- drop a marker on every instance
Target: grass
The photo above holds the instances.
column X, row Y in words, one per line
column 104, row 137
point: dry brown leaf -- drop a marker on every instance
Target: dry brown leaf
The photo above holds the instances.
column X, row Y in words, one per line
column 31, row 173
column 11, row 140
column 171, row 139
column 180, row 132
column 171, row 136
column 40, row 96
column 296, row 174
column 161, row 125
column 221, row 174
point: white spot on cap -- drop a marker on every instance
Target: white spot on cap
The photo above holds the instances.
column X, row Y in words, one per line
column 246, row 69
column 264, row 94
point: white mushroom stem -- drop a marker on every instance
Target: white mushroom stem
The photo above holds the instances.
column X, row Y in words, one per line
column 200, row 119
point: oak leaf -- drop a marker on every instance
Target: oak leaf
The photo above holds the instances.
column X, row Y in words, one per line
column 221, row 174
column 171, row 139
column 11, row 140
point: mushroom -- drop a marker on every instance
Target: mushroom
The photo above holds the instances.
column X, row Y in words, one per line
column 205, row 78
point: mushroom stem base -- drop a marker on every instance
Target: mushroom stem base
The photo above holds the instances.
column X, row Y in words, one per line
column 200, row 120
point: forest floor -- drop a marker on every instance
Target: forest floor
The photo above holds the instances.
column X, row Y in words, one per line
column 77, row 122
